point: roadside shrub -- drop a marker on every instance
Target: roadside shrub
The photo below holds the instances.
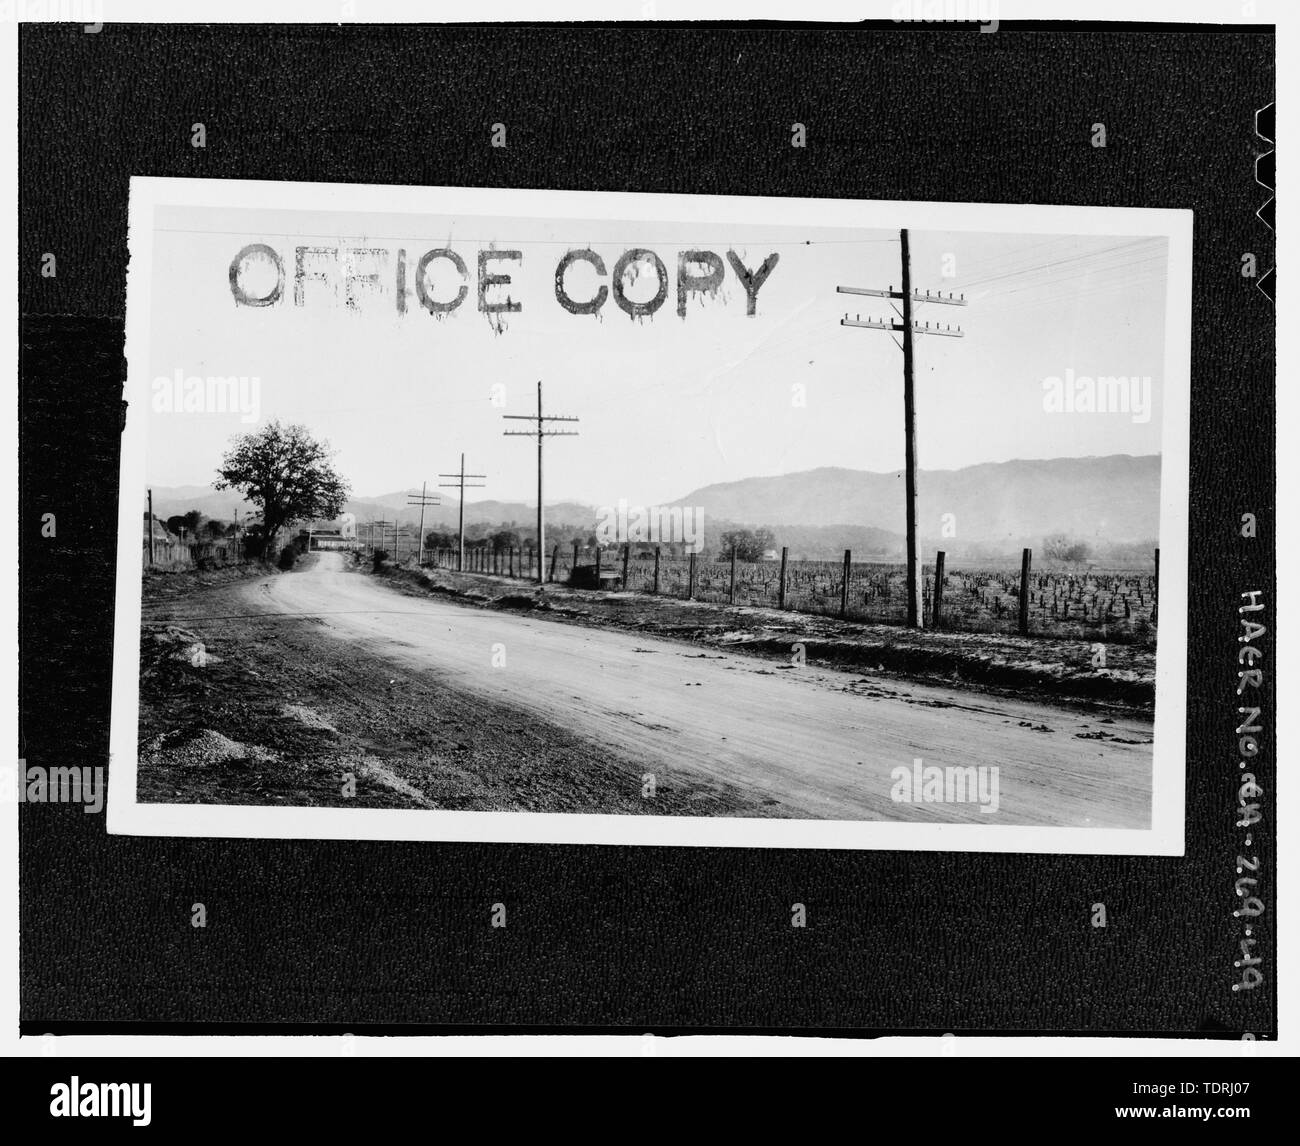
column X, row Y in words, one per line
column 287, row 558
column 381, row 555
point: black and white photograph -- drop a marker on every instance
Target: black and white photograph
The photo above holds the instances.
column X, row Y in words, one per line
column 642, row 530
column 580, row 517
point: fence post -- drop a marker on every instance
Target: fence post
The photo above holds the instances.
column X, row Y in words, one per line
column 844, row 584
column 938, row 586
column 1025, row 559
column 555, row 556
column 690, row 579
column 627, row 553
column 657, row 548
column 1155, row 593
column 731, row 596
column 780, row 598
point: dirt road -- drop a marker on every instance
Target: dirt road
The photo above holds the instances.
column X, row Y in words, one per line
column 823, row 743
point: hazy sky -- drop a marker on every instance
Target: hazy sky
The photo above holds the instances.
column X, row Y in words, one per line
column 666, row 404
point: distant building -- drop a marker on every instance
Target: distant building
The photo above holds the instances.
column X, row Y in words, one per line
column 338, row 533
column 330, row 539
column 160, row 533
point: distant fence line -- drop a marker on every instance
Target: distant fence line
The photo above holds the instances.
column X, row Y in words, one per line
column 173, row 553
column 1109, row 605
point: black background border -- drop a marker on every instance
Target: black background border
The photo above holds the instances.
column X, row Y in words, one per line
column 319, row 937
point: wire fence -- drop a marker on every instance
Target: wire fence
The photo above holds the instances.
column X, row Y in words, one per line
column 1061, row 601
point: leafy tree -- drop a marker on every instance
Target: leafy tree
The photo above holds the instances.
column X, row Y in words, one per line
column 254, row 541
column 1059, row 547
column 185, row 524
column 750, row 544
column 287, row 473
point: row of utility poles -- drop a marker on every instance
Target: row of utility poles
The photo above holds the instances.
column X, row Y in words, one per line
column 542, row 428
column 545, row 425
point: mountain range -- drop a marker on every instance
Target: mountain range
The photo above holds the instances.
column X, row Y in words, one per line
column 1113, row 499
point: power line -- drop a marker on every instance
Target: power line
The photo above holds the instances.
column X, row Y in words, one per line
column 1029, row 258
column 1030, row 269
column 1078, row 274
column 1041, row 263
column 1072, row 295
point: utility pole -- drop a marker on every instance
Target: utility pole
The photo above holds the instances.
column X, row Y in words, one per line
column 541, row 433
column 462, row 485
column 382, row 525
column 422, row 499
column 908, row 326
column 150, row 528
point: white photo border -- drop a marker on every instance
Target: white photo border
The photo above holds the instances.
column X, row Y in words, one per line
column 1164, row 837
